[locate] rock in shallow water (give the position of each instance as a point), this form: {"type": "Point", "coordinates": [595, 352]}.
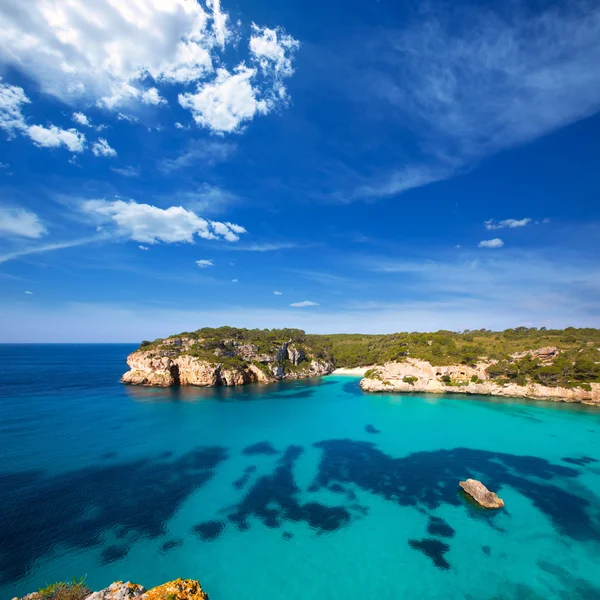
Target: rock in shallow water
{"type": "Point", "coordinates": [481, 494]}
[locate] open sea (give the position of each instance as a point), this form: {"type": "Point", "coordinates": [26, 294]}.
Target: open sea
{"type": "Point", "coordinates": [298, 491]}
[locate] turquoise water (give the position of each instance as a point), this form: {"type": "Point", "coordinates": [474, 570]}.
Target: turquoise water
{"type": "Point", "coordinates": [301, 490]}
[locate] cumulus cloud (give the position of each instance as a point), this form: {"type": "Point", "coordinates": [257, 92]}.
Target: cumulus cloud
{"type": "Point", "coordinates": [141, 247]}
{"type": "Point", "coordinates": [473, 85]}
{"type": "Point", "coordinates": [82, 119]}
{"type": "Point", "coordinates": [152, 96]}
{"type": "Point", "coordinates": [227, 102]}
{"type": "Point", "coordinates": [12, 120]}
{"type": "Point", "coordinates": [102, 148]}
{"type": "Point", "coordinates": [12, 99]}
{"type": "Point", "coordinates": [510, 223]}
{"type": "Point", "coordinates": [272, 50]}
{"type": "Point", "coordinates": [150, 224]}
{"type": "Point", "coordinates": [304, 304]}
{"type": "Point", "coordinates": [53, 137]}
{"type": "Point", "coordinates": [495, 243]}
{"type": "Point", "coordinates": [21, 222]}
{"type": "Point", "coordinates": [117, 54]}
{"type": "Point", "coordinates": [203, 263]}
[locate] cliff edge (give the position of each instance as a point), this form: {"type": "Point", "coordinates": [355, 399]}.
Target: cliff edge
{"type": "Point", "coordinates": [228, 357]}
{"type": "Point", "coordinates": [413, 375]}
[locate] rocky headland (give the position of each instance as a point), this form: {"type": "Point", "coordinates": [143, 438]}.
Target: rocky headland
{"type": "Point", "coordinates": [178, 589]}
{"type": "Point", "coordinates": [414, 375]}
{"type": "Point", "coordinates": [230, 359]}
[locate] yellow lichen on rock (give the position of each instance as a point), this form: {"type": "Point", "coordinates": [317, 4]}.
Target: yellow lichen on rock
{"type": "Point", "coordinates": [179, 589]}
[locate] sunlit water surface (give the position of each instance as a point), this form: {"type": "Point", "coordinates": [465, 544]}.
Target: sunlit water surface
{"type": "Point", "coordinates": [304, 490]}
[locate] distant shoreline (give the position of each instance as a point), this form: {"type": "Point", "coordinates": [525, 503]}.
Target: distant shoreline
{"type": "Point", "coordinates": [358, 371]}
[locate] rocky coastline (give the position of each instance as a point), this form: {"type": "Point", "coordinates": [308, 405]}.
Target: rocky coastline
{"type": "Point", "coordinates": [413, 375]}
{"type": "Point", "coordinates": [174, 362]}
{"type": "Point", "coordinates": [178, 589]}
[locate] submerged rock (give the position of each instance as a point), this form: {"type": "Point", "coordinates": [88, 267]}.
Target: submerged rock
{"type": "Point", "coordinates": [481, 494]}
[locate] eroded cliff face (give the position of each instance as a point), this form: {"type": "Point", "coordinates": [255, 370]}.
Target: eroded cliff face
{"type": "Point", "coordinates": [172, 363]}
{"type": "Point", "coordinates": [414, 375]}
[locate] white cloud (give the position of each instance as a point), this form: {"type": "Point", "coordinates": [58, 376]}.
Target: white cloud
{"type": "Point", "coordinates": [179, 125]}
{"type": "Point", "coordinates": [473, 85]}
{"type": "Point", "coordinates": [277, 293]}
{"type": "Point", "coordinates": [234, 281]}
{"type": "Point", "coordinates": [127, 171]}
{"type": "Point", "coordinates": [118, 54]}
{"type": "Point", "coordinates": [152, 96]}
{"type": "Point", "coordinates": [304, 304]}
{"type": "Point", "coordinates": [82, 119]}
{"type": "Point", "coordinates": [12, 99]}
{"type": "Point", "coordinates": [28, 293]}
{"type": "Point", "coordinates": [12, 120]}
{"type": "Point", "coordinates": [224, 104]}
{"type": "Point", "coordinates": [228, 231]}
{"type": "Point", "coordinates": [53, 137]}
{"type": "Point", "coordinates": [272, 50]}
{"type": "Point", "coordinates": [495, 243]}
{"type": "Point", "coordinates": [129, 118]}
{"type": "Point", "coordinates": [102, 148]}
{"type": "Point", "coordinates": [203, 263]}
{"type": "Point", "coordinates": [149, 224]}
{"type": "Point", "coordinates": [510, 223]}
{"type": "Point", "coordinates": [21, 222]}
{"type": "Point", "coordinates": [143, 247]}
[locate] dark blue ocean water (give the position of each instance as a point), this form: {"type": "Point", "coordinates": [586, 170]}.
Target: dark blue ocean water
{"type": "Point", "coordinates": [303, 490]}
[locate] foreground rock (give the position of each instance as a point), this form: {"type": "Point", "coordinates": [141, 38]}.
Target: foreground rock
{"type": "Point", "coordinates": [412, 375]}
{"type": "Point", "coordinates": [179, 589]}
{"type": "Point", "coordinates": [185, 361]}
{"type": "Point", "coordinates": [481, 494]}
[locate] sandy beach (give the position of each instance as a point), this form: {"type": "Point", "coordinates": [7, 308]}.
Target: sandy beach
{"type": "Point", "coordinates": [357, 371]}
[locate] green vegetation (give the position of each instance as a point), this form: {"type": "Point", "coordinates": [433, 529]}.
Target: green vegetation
{"type": "Point", "coordinates": [66, 590]}
{"type": "Point", "coordinates": [577, 363]}
{"type": "Point", "coordinates": [410, 379]}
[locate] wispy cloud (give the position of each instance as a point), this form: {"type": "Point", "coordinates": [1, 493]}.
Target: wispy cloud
{"type": "Point", "coordinates": [304, 304]}
{"type": "Point", "coordinates": [510, 223]}
{"type": "Point", "coordinates": [126, 171]}
{"type": "Point", "coordinates": [49, 248]}
{"type": "Point", "coordinates": [277, 293]}
{"type": "Point", "coordinates": [21, 222]}
{"type": "Point", "coordinates": [478, 83]}
{"type": "Point", "coordinates": [198, 154]}
{"type": "Point", "coordinates": [265, 247]}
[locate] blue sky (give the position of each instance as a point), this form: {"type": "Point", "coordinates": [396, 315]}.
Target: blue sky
{"type": "Point", "coordinates": [382, 166]}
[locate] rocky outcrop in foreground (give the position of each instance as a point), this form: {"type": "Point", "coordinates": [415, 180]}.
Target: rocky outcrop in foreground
{"type": "Point", "coordinates": [481, 494]}
{"type": "Point", "coordinates": [179, 589]}
{"type": "Point", "coordinates": [414, 375]}
{"type": "Point", "coordinates": [185, 361]}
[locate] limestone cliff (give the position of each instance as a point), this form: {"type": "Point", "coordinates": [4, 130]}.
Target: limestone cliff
{"type": "Point", "coordinates": [413, 375]}
{"type": "Point", "coordinates": [228, 361]}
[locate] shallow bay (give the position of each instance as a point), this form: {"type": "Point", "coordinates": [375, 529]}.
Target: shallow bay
{"type": "Point", "coordinates": [300, 490]}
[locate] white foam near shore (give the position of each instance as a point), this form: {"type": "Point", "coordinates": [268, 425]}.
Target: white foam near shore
{"type": "Point", "coordinates": [358, 371]}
